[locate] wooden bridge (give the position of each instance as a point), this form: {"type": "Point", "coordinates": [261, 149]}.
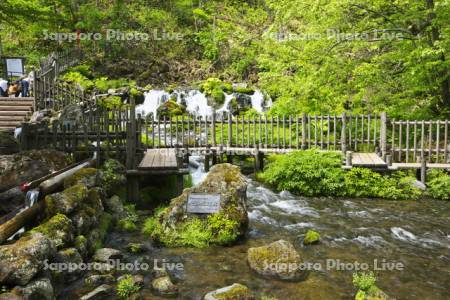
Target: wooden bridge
{"type": "Point", "coordinates": [369, 140]}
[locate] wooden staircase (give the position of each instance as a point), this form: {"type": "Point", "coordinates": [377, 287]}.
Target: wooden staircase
{"type": "Point", "coordinates": [14, 111]}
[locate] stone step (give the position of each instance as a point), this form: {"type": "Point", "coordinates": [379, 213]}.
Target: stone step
{"type": "Point", "coordinates": [16, 103]}
{"type": "Point", "coordinates": [28, 99]}
{"type": "Point", "coordinates": [10, 123]}
{"type": "Point", "coordinates": [14, 113]}
{"type": "Point", "coordinates": [7, 129]}
{"type": "Point", "coordinates": [12, 118]}
{"type": "Point", "coordinates": [15, 108]}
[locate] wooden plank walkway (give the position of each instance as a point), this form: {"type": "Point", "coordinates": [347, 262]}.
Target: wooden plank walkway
{"type": "Point", "coordinates": [368, 160]}
{"type": "Point", "coordinates": [159, 159]}
{"type": "Point", "coordinates": [413, 166]}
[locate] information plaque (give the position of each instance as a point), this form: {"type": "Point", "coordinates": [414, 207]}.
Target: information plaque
{"type": "Point", "coordinates": [203, 203]}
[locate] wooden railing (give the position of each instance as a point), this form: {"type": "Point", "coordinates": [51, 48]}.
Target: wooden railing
{"type": "Point", "coordinates": [405, 141]}
{"type": "Point", "coordinates": [46, 76]}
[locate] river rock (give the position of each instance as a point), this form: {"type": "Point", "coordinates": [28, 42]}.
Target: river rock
{"type": "Point", "coordinates": [69, 256]}
{"type": "Point", "coordinates": [235, 291]}
{"type": "Point", "coordinates": [21, 261]}
{"type": "Point", "coordinates": [114, 206]}
{"type": "Point", "coordinates": [223, 179]}
{"type": "Point", "coordinates": [419, 185]}
{"type": "Point", "coordinates": [58, 230]}
{"type": "Point", "coordinates": [8, 144]}
{"type": "Point", "coordinates": [164, 286]}
{"type": "Point", "coordinates": [11, 199]}
{"type": "Point", "coordinates": [95, 280]}
{"type": "Point", "coordinates": [66, 201]}
{"type": "Point", "coordinates": [277, 260]}
{"type": "Point", "coordinates": [101, 292]}
{"type": "Point", "coordinates": [40, 288]}
{"type": "Point", "coordinates": [28, 166]}
{"type": "Point", "coordinates": [107, 254]}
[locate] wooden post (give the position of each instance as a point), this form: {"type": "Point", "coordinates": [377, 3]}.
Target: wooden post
{"type": "Point", "coordinates": [304, 119]}
{"type": "Point", "coordinates": [259, 159]}
{"type": "Point", "coordinates": [389, 160]}
{"type": "Point", "coordinates": [423, 170]}
{"type": "Point", "coordinates": [230, 129]}
{"type": "Point", "coordinates": [383, 135]}
{"type": "Point", "coordinates": [24, 137]}
{"type": "Point", "coordinates": [207, 158]}
{"type": "Point", "coordinates": [344, 133]}
{"type": "Point", "coordinates": [213, 128]}
{"type": "Point", "coordinates": [348, 158]}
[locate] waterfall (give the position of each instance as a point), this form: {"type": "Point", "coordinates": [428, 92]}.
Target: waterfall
{"type": "Point", "coordinates": [195, 101]}
{"type": "Point", "coordinates": [31, 197]}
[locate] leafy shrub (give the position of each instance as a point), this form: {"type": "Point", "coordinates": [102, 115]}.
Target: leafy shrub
{"type": "Point", "coordinates": [78, 78]}
{"type": "Point", "coordinates": [364, 281]}
{"type": "Point", "coordinates": [439, 184]}
{"type": "Point", "coordinates": [310, 173]}
{"type": "Point", "coordinates": [129, 222]}
{"type": "Point", "coordinates": [311, 237]}
{"type": "Point", "coordinates": [314, 173]}
{"type": "Point", "coordinates": [126, 287]}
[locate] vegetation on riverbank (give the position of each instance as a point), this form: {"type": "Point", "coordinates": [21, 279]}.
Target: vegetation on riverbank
{"type": "Point", "coordinates": [315, 173]}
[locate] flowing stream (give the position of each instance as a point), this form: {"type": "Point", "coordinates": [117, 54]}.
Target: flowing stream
{"type": "Point", "coordinates": [413, 233]}
{"type": "Point", "coordinates": [196, 102]}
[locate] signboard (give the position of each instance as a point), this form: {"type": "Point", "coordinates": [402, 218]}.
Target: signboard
{"type": "Point", "coordinates": [14, 66]}
{"type": "Point", "coordinates": [203, 203]}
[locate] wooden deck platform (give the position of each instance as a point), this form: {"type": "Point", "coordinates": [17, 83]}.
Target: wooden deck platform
{"type": "Point", "coordinates": [159, 159]}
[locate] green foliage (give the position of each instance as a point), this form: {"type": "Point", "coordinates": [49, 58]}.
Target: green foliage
{"type": "Point", "coordinates": [129, 222]}
{"type": "Point", "coordinates": [315, 173]}
{"type": "Point", "coordinates": [79, 79]}
{"type": "Point", "coordinates": [364, 281]}
{"type": "Point", "coordinates": [310, 173]}
{"type": "Point", "coordinates": [219, 228]}
{"type": "Point", "coordinates": [439, 184]}
{"type": "Point", "coordinates": [126, 287]}
{"type": "Point", "coordinates": [311, 237]}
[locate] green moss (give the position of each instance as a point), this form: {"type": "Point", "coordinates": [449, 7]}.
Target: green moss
{"type": "Point", "coordinates": [58, 228]}
{"type": "Point", "coordinates": [80, 242]}
{"type": "Point", "coordinates": [104, 224]}
{"type": "Point", "coordinates": [135, 248]}
{"type": "Point", "coordinates": [312, 237]}
{"type": "Point", "coordinates": [244, 90]}
{"type": "Point", "coordinates": [238, 291]}
{"type": "Point", "coordinates": [221, 228]}
{"type": "Point", "coordinates": [126, 287]}
{"type": "Point", "coordinates": [79, 177]}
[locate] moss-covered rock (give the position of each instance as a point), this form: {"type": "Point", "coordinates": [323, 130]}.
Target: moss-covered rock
{"type": "Point", "coordinates": [40, 288]}
{"type": "Point", "coordinates": [21, 261]}
{"type": "Point", "coordinates": [67, 201]}
{"type": "Point", "coordinates": [72, 258]}
{"type": "Point", "coordinates": [81, 244]}
{"type": "Point", "coordinates": [58, 229]}
{"type": "Point", "coordinates": [170, 109]}
{"type": "Point", "coordinates": [233, 292]}
{"type": "Point", "coordinates": [311, 237]}
{"type": "Point", "coordinates": [277, 260]}
{"type": "Point", "coordinates": [96, 236]}
{"type": "Point", "coordinates": [85, 176]}
{"type": "Point", "coordinates": [174, 226]}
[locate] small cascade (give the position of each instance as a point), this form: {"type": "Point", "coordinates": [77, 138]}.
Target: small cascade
{"type": "Point", "coordinates": [196, 102]}
{"type": "Point", "coordinates": [31, 197]}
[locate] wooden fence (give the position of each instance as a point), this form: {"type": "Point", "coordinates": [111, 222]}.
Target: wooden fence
{"type": "Point", "coordinates": [111, 131]}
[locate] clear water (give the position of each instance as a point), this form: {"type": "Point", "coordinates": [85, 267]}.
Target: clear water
{"type": "Point", "coordinates": [414, 233]}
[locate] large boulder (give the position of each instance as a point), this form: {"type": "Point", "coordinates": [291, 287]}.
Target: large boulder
{"type": "Point", "coordinates": [235, 291]}
{"type": "Point", "coordinates": [8, 144]}
{"type": "Point", "coordinates": [21, 261]}
{"type": "Point", "coordinates": [277, 260]}
{"type": "Point", "coordinates": [69, 257]}
{"type": "Point", "coordinates": [174, 226]}
{"type": "Point", "coordinates": [67, 201]}
{"type": "Point", "coordinates": [28, 166]}
{"type": "Point", "coordinates": [40, 288]}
